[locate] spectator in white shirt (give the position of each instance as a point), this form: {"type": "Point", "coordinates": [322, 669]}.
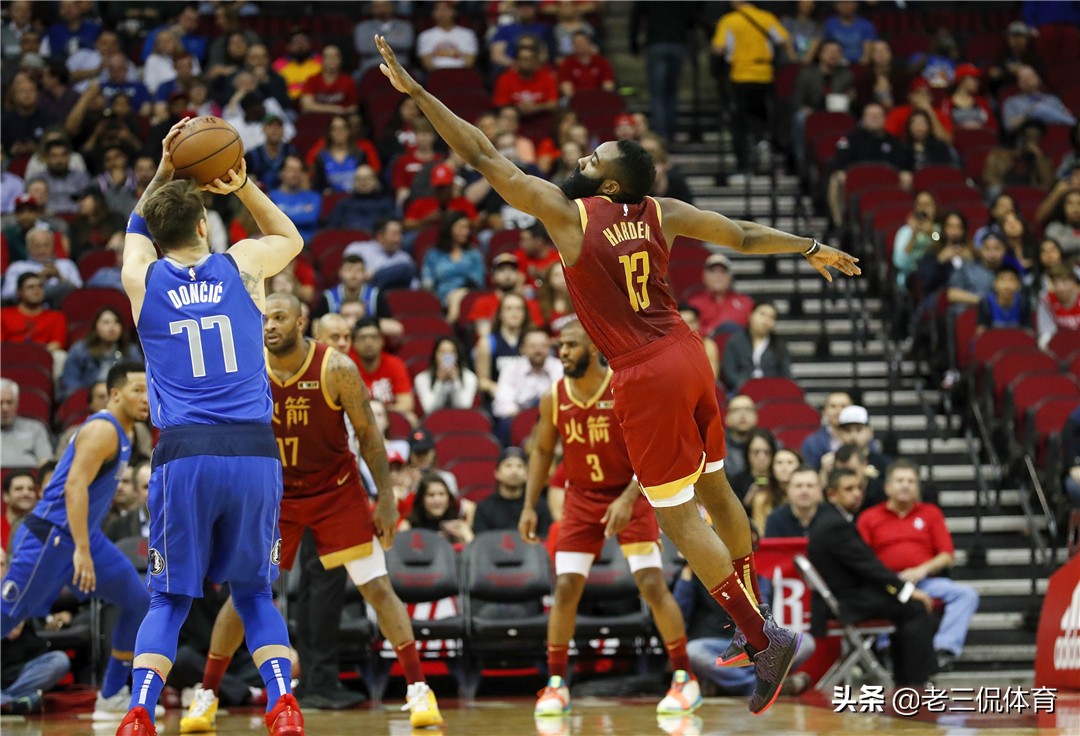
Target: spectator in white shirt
{"type": "Point", "coordinates": [247, 110]}
{"type": "Point", "coordinates": [524, 380]}
{"type": "Point", "coordinates": [446, 45]}
{"type": "Point", "coordinates": [60, 274]}
{"type": "Point", "coordinates": [24, 442]}
{"type": "Point", "coordinates": [447, 383]}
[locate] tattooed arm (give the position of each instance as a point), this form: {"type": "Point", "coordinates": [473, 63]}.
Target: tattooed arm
{"type": "Point", "coordinates": [349, 390]}
{"type": "Point", "coordinates": [266, 257]}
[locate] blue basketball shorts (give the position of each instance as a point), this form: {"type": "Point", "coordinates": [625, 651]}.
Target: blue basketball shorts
{"type": "Point", "coordinates": [40, 566]}
{"type": "Point", "coordinates": [214, 516]}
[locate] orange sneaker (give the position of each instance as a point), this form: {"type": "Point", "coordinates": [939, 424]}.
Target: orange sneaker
{"type": "Point", "coordinates": [285, 719]}
{"type": "Point", "coordinates": [137, 723]}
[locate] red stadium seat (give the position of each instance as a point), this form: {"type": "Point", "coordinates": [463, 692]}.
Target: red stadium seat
{"type": "Point", "coordinates": [975, 162]}
{"type": "Point", "coordinates": [929, 177]}
{"type": "Point", "coordinates": [470, 472]}
{"type": "Point", "coordinates": [310, 127]}
{"type": "Point", "coordinates": [82, 304]}
{"type": "Point", "coordinates": [1048, 419]}
{"type": "Point", "coordinates": [1008, 366]}
{"type": "Point", "coordinates": [786, 412]}
{"type": "Point", "coordinates": [522, 426]}
{"type": "Point", "coordinates": [35, 404]}
{"type": "Point", "coordinates": [425, 324]}
{"type": "Point", "coordinates": [1074, 365]}
{"type": "Point", "coordinates": [457, 420]}
{"type": "Point", "coordinates": [951, 195]}
{"type": "Point", "coordinates": [417, 346]}
{"type": "Point", "coordinates": [328, 202]}
{"type": "Point", "coordinates": [329, 240]}
{"type": "Point", "coordinates": [768, 389]}
{"type": "Point", "coordinates": [984, 48]}
{"type": "Point", "coordinates": [444, 81]}
{"type": "Point", "coordinates": [467, 304]}
{"type": "Point", "coordinates": [30, 377]}
{"type": "Point", "coordinates": [833, 124]}
{"type": "Point", "coordinates": [400, 427]}
{"type": "Point", "coordinates": [94, 261]}
{"type": "Point", "coordinates": [861, 176]}
{"type": "Point", "coordinates": [467, 445]}
{"type": "Point", "coordinates": [425, 241]}
{"type": "Point", "coordinates": [26, 353]}
{"type": "Point", "coordinates": [597, 101]}
{"type": "Point", "coordinates": [793, 437]}
{"type": "Point", "coordinates": [73, 406]}
{"type": "Point", "coordinates": [992, 342]}
{"type": "Point", "coordinates": [468, 104]}
{"type": "Point", "coordinates": [413, 302]}
{"type": "Point", "coordinates": [1063, 344]}
{"type": "Point", "coordinates": [1027, 392]}
{"type": "Point", "coordinates": [967, 139]}
{"type": "Point", "coordinates": [966, 322]}
{"type": "Point", "coordinates": [683, 277]}
{"type": "Point", "coordinates": [689, 250]}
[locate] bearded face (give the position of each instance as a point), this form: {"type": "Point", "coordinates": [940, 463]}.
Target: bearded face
{"type": "Point", "coordinates": [579, 186]}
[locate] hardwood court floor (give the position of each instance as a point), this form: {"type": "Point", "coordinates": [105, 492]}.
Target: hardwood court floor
{"type": "Point", "coordinates": [592, 716]}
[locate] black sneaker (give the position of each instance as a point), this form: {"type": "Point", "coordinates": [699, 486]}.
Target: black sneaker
{"type": "Point", "coordinates": [25, 705]}
{"type": "Point", "coordinates": [771, 665]}
{"type": "Point", "coordinates": [945, 660]}
{"type": "Point", "coordinates": [735, 655]}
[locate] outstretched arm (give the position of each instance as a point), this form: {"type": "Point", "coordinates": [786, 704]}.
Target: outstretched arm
{"type": "Point", "coordinates": [349, 389]}
{"type": "Point", "coordinates": [685, 219]}
{"type": "Point", "coordinates": [530, 194]}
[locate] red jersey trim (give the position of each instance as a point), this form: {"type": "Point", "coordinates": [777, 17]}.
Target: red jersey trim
{"type": "Point", "coordinates": [296, 376]}
{"type": "Point", "coordinates": [594, 398]}
{"type": "Point", "coordinates": [323, 384]}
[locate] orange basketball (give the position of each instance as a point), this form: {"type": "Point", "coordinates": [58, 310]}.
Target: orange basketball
{"type": "Point", "coordinates": [206, 149]}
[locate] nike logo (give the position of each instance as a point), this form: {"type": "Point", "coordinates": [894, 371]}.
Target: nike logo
{"type": "Point", "coordinates": [565, 407]}
{"type": "Point", "coordinates": [343, 479]}
{"type": "Point", "coordinates": [124, 448]}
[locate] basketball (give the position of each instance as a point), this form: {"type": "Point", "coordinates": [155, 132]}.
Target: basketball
{"type": "Point", "coordinates": [206, 149]}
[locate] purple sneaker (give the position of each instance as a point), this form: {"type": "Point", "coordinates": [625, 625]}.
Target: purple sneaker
{"type": "Point", "coordinates": [735, 655]}
{"type": "Point", "coordinates": [771, 665]}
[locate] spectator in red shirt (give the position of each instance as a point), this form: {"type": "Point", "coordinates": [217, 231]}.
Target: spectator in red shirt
{"type": "Point", "coordinates": [30, 321]}
{"type": "Point", "coordinates": [385, 375]}
{"type": "Point", "coordinates": [1060, 308]}
{"type": "Point", "coordinates": [535, 254]}
{"type": "Point", "coordinates": [585, 70]}
{"type": "Point", "coordinates": [965, 108]}
{"type": "Point", "coordinates": [330, 91]}
{"type": "Point", "coordinates": [720, 305]}
{"type": "Point", "coordinates": [910, 537]}
{"type": "Point", "coordinates": [409, 164]}
{"type": "Point", "coordinates": [527, 85]}
{"type": "Point", "coordinates": [507, 278]}
{"type": "Point", "coordinates": [425, 211]}
{"type": "Point", "coordinates": [919, 98]}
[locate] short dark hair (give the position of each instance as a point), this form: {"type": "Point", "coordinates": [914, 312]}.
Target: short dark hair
{"type": "Point", "coordinates": [365, 322]}
{"type": "Point", "coordinates": [690, 308]}
{"type": "Point", "coordinates": [57, 142]}
{"type": "Point", "coordinates": [901, 464]}
{"type": "Point", "coordinates": [172, 213]}
{"type": "Point", "coordinates": [384, 222]}
{"type": "Point", "coordinates": [118, 374]}
{"type": "Point", "coordinates": [24, 277]}
{"type": "Point", "coordinates": [354, 258]}
{"type": "Point", "coordinates": [836, 477]}
{"type": "Point", "coordinates": [635, 172]}
{"type": "Point", "coordinates": [1008, 268]}
{"type": "Point", "coordinates": [846, 452]}
{"type": "Point", "coordinates": [10, 480]}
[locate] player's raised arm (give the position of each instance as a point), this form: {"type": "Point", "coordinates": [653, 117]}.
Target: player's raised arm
{"type": "Point", "coordinates": [261, 258]}
{"type": "Point", "coordinates": [545, 437]}
{"type": "Point", "coordinates": [139, 250]}
{"type": "Point", "coordinates": [530, 194]}
{"type": "Point", "coordinates": [684, 219]}
{"type": "Point", "coordinates": [347, 385]}
{"type": "Point", "coordinates": [95, 443]}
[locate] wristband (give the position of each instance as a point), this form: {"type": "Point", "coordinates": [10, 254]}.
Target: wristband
{"type": "Point", "coordinates": [812, 249]}
{"type": "Point", "coordinates": [246, 178]}
{"type": "Point", "coordinates": [137, 225]}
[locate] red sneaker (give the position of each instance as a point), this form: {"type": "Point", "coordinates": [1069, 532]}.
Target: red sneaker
{"type": "Point", "coordinates": [137, 723]}
{"type": "Point", "coordinates": [285, 719]}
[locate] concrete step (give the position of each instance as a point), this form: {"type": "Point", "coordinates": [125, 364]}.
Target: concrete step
{"type": "Point", "coordinates": [984, 677]}
{"type": "Point", "coordinates": [999, 653]}
{"type": "Point", "coordinates": [1007, 587]}
{"type": "Point", "coordinates": [866, 367]}
{"type": "Point", "coordinates": [1017, 524]}
{"type": "Point", "coordinates": [1006, 557]}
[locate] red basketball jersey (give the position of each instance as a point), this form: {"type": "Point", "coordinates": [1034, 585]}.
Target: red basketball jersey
{"type": "Point", "coordinates": [594, 451]}
{"type": "Point", "coordinates": [310, 430]}
{"type": "Point", "coordinates": [619, 284]}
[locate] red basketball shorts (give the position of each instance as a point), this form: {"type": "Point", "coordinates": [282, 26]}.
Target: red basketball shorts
{"type": "Point", "coordinates": [665, 401]}
{"type": "Point", "coordinates": [340, 519]}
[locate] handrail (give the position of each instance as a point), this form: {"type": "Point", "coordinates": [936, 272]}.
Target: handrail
{"type": "Point", "coordinates": [1048, 514]}
{"type": "Point", "coordinates": [931, 431]}
{"type": "Point", "coordinates": [977, 554]}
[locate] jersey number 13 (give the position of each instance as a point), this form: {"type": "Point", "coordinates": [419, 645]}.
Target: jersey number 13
{"type": "Point", "coordinates": [636, 268]}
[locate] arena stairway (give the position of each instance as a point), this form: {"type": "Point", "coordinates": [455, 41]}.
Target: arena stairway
{"type": "Point", "coordinates": [831, 351]}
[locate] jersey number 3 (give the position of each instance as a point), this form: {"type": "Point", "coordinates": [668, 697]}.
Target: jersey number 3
{"type": "Point", "coordinates": [636, 268]}
{"type": "Point", "coordinates": [194, 329]}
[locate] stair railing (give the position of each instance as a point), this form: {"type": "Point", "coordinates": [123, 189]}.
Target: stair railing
{"type": "Point", "coordinates": [1030, 483]}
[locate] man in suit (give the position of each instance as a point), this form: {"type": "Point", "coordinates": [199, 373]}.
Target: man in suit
{"type": "Point", "coordinates": [864, 587]}
{"type": "Point", "coordinates": [135, 522]}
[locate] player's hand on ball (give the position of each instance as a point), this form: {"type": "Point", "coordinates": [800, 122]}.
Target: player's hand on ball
{"type": "Point", "coordinates": [617, 517]}
{"type": "Point", "coordinates": [385, 518]}
{"type": "Point", "coordinates": [527, 526]}
{"type": "Point", "coordinates": [165, 168]}
{"type": "Point", "coordinates": [828, 257]}
{"type": "Point", "coordinates": [236, 180]}
{"type": "Point", "coordinates": [84, 578]}
{"type": "Point", "coordinates": [392, 68]}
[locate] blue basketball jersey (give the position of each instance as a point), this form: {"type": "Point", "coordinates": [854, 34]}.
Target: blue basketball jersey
{"type": "Point", "coordinates": [203, 340]}
{"type": "Point", "coordinates": [52, 506]}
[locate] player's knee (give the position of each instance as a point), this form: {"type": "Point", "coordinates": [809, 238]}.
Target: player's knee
{"type": "Point", "coordinates": [378, 592]}
{"type": "Point", "coordinates": [650, 582]}
{"type": "Point", "coordinates": [569, 587]}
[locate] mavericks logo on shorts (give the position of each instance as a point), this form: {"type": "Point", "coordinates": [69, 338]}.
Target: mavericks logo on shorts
{"type": "Point", "coordinates": [10, 591]}
{"type": "Point", "coordinates": [156, 562]}
{"type": "Point", "coordinates": [275, 553]}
